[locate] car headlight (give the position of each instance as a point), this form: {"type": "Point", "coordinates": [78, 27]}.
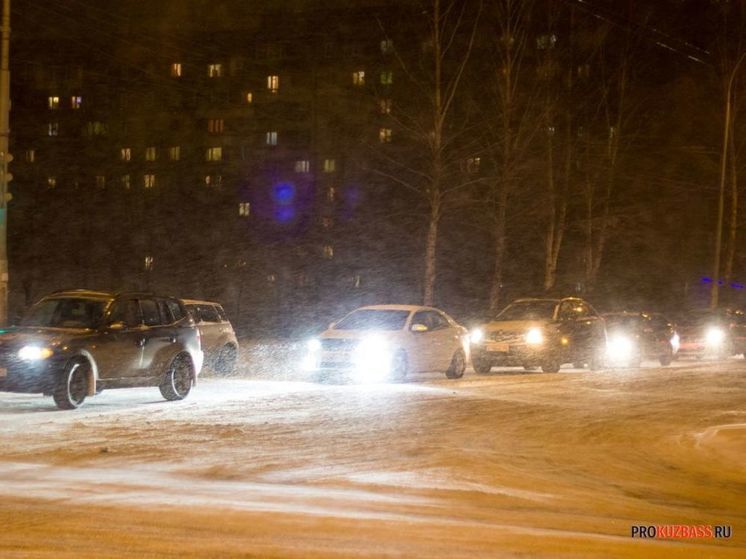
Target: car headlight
{"type": "Point", "coordinates": [534, 336]}
{"type": "Point", "coordinates": [476, 335]}
{"type": "Point", "coordinates": [372, 357]}
{"type": "Point", "coordinates": [714, 336]}
{"type": "Point", "coordinates": [311, 360]}
{"type": "Point", "coordinates": [34, 353]}
{"type": "Point", "coordinates": [313, 345]}
{"type": "Point", "coordinates": [620, 348]}
{"type": "Point", "coordinates": [675, 342]}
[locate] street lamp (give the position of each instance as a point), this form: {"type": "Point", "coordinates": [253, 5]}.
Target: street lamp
{"type": "Point", "coordinates": [715, 287]}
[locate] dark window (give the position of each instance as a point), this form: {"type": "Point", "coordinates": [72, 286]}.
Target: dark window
{"type": "Point", "coordinates": [150, 314]}
{"type": "Point", "coordinates": [176, 311]}
{"type": "Point", "coordinates": [166, 317]}
{"type": "Point", "coordinates": [221, 313]}
{"type": "Point", "coordinates": [208, 313]}
{"type": "Point", "coordinates": [126, 311]}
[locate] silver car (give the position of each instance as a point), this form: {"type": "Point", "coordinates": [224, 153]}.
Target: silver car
{"type": "Point", "coordinates": [73, 344]}
{"type": "Point", "coordinates": [218, 338]}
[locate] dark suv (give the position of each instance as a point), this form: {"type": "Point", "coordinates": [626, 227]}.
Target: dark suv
{"type": "Point", "coordinates": [73, 344]}
{"type": "Point", "coordinates": [542, 333]}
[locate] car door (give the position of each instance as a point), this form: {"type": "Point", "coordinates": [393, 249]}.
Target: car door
{"type": "Point", "coordinates": [159, 337]}
{"type": "Point", "coordinates": [118, 349]}
{"type": "Point", "coordinates": [446, 340]}
{"type": "Point", "coordinates": [420, 342]}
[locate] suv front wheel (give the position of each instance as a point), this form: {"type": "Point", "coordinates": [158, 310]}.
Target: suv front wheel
{"type": "Point", "coordinates": [177, 382]}
{"type": "Point", "coordinates": [72, 386]}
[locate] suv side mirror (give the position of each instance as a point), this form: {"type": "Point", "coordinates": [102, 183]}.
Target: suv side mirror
{"type": "Point", "coordinates": [116, 326]}
{"type": "Point", "coordinates": [419, 328]}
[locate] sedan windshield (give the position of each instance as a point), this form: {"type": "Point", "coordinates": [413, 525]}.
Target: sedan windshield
{"type": "Point", "coordinates": [528, 310]}
{"type": "Point", "coordinates": [66, 313]}
{"type": "Point", "coordinates": [371, 319]}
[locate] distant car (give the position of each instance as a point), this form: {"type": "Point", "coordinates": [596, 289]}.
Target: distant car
{"type": "Point", "coordinates": [634, 336]}
{"type": "Point", "coordinates": [544, 333]}
{"type": "Point", "coordinates": [385, 342]}
{"type": "Point", "coordinates": [73, 344]}
{"type": "Point", "coordinates": [712, 334]}
{"type": "Point", "coordinates": [218, 338]}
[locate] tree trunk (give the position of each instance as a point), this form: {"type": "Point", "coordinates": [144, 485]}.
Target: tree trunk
{"type": "Point", "coordinates": [733, 225]}
{"type": "Point", "coordinates": [500, 247]}
{"type": "Point", "coordinates": [428, 297]}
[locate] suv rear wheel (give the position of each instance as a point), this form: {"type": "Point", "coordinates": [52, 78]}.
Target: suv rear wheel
{"type": "Point", "coordinates": [177, 382]}
{"type": "Point", "coordinates": [72, 386]}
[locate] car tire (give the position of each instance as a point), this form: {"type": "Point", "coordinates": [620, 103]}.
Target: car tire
{"type": "Point", "coordinates": [178, 380]}
{"type": "Point", "coordinates": [552, 366]}
{"type": "Point", "coordinates": [225, 364]}
{"type": "Point", "coordinates": [72, 385]}
{"type": "Point", "coordinates": [400, 366]}
{"type": "Point", "coordinates": [481, 366]}
{"type": "Point", "coordinates": [458, 365]}
{"type": "Point", "coordinates": [666, 359]}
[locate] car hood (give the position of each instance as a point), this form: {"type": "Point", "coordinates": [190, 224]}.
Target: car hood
{"type": "Point", "coordinates": [514, 325]}
{"type": "Point", "coordinates": [16, 338]}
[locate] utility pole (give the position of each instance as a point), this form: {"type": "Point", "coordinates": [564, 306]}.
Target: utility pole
{"type": "Point", "coordinates": [715, 286]}
{"type": "Point", "coordinates": [5, 158]}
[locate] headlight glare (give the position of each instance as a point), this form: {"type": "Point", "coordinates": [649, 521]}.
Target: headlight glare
{"type": "Point", "coordinates": [34, 353]}
{"type": "Point", "coordinates": [714, 336]}
{"type": "Point", "coordinates": [372, 358]}
{"type": "Point", "coordinates": [534, 336]}
{"type": "Point", "coordinates": [313, 345]}
{"type": "Point", "coordinates": [620, 348]}
{"type": "Point", "coordinates": [476, 335]}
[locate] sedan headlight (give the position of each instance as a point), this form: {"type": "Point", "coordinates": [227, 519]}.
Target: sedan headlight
{"type": "Point", "coordinates": [34, 353]}
{"type": "Point", "coordinates": [476, 336]}
{"type": "Point", "coordinates": [675, 342]}
{"type": "Point", "coordinates": [714, 336]}
{"type": "Point", "coordinates": [313, 352]}
{"type": "Point", "coordinates": [372, 357]}
{"type": "Point", "coordinates": [620, 348]}
{"type": "Point", "coordinates": [534, 336]}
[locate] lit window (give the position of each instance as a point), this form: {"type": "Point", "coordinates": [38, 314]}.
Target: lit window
{"type": "Point", "coordinates": [384, 106]}
{"type": "Point", "coordinates": [328, 252]}
{"type": "Point", "coordinates": [53, 129]}
{"type": "Point", "coordinates": [215, 70]}
{"type": "Point", "coordinates": [215, 125]}
{"type": "Point", "coordinates": [125, 154]}
{"type": "Point", "coordinates": [584, 71]}
{"type": "Point", "coordinates": [148, 263]}
{"type": "Point", "coordinates": [550, 131]}
{"type": "Point", "coordinates": [384, 135]}
{"type": "Point", "coordinates": [327, 222]}
{"type": "Point", "coordinates": [272, 138]}
{"type": "Point", "coordinates": [76, 101]}
{"type": "Point", "coordinates": [51, 182]}
{"type": "Point", "coordinates": [174, 153]}
{"type": "Point", "coordinates": [330, 165]}
{"type": "Point", "coordinates": [273, 83]}
{"type": "Point", "coordinates": [249, 97]}
{"type": "Point", "coordinates": [125, 180]}
{"type": "Point", "coordinates": [472, 164]}
{"type": "Point", "coordinates": [150, 154]}
{"type": "Point", "coordinates": [302, 166]}
{"type": "Point", "coordinates": [53, 102]}
{"type": "Point", "coordinates": [358, 78]}
{"type": "Point", "coordinates": [100, 181]}
{"type": "Point", "coordinates": [176, 70]}
{"type": "Point", "coordinates": [149, 181]}
{"type": "Point", "coordinates": [95, 128]}
{"type": "Point", "coordinates": [271, 278]}
{"type": "Point", "coordinates": [244, 209]}
{"type": "Point", "coordinates": [214, 154]}
{"type": "Point", "coordinates": [387, 46]}
{"type": "Point", "coordinates": [331, 194]}
{"type": "Point", "coordinates": [544, 42]}
{"type": "Point", "coordinates": [387, 77]}
{"type": "Point", "coordinates": [213, 180]}
{"type": "Point", "coordinates": [30, 155]}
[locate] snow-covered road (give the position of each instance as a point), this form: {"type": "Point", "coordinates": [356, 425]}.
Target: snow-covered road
{"type": "Point", "coordinates": [501, 465]}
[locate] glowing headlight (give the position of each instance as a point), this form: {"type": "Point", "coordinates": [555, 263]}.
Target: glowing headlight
{"type": "Point", "coordinates": [476, 335]}
{"type": "Point", "coordinates": [372, 357]}
{"type": "Point", "coordinates": [620, 348]}
{"type": "Point", "coordinates": [34, 353]}
{"type": "Point", "coordinates": [313, 353]}
{"type": "Point", "coordinates": [714, 336]}
{"type": "Point", "coordinates": [675, 342]}
{"type": "Point", "coordinates": [534, 336]}
{"type": "Point", "coordinates": [313, 345]}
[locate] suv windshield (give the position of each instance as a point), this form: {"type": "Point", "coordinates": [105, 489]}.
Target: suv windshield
{"type": "Point", "coordinates": [528, 310]}
{"type": "Point", "coordinates": [370, 319]}
{"type": "Point", "coordinates": [66, 313]}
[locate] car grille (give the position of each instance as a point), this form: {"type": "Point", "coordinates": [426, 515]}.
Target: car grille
{"type": "Point", "coordinates": [504, 336]}
{"type": "Point", "coordinates": [338, 344]}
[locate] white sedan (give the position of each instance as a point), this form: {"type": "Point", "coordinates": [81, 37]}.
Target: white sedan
{"type": "Point", "coordinates": [385, 342]}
